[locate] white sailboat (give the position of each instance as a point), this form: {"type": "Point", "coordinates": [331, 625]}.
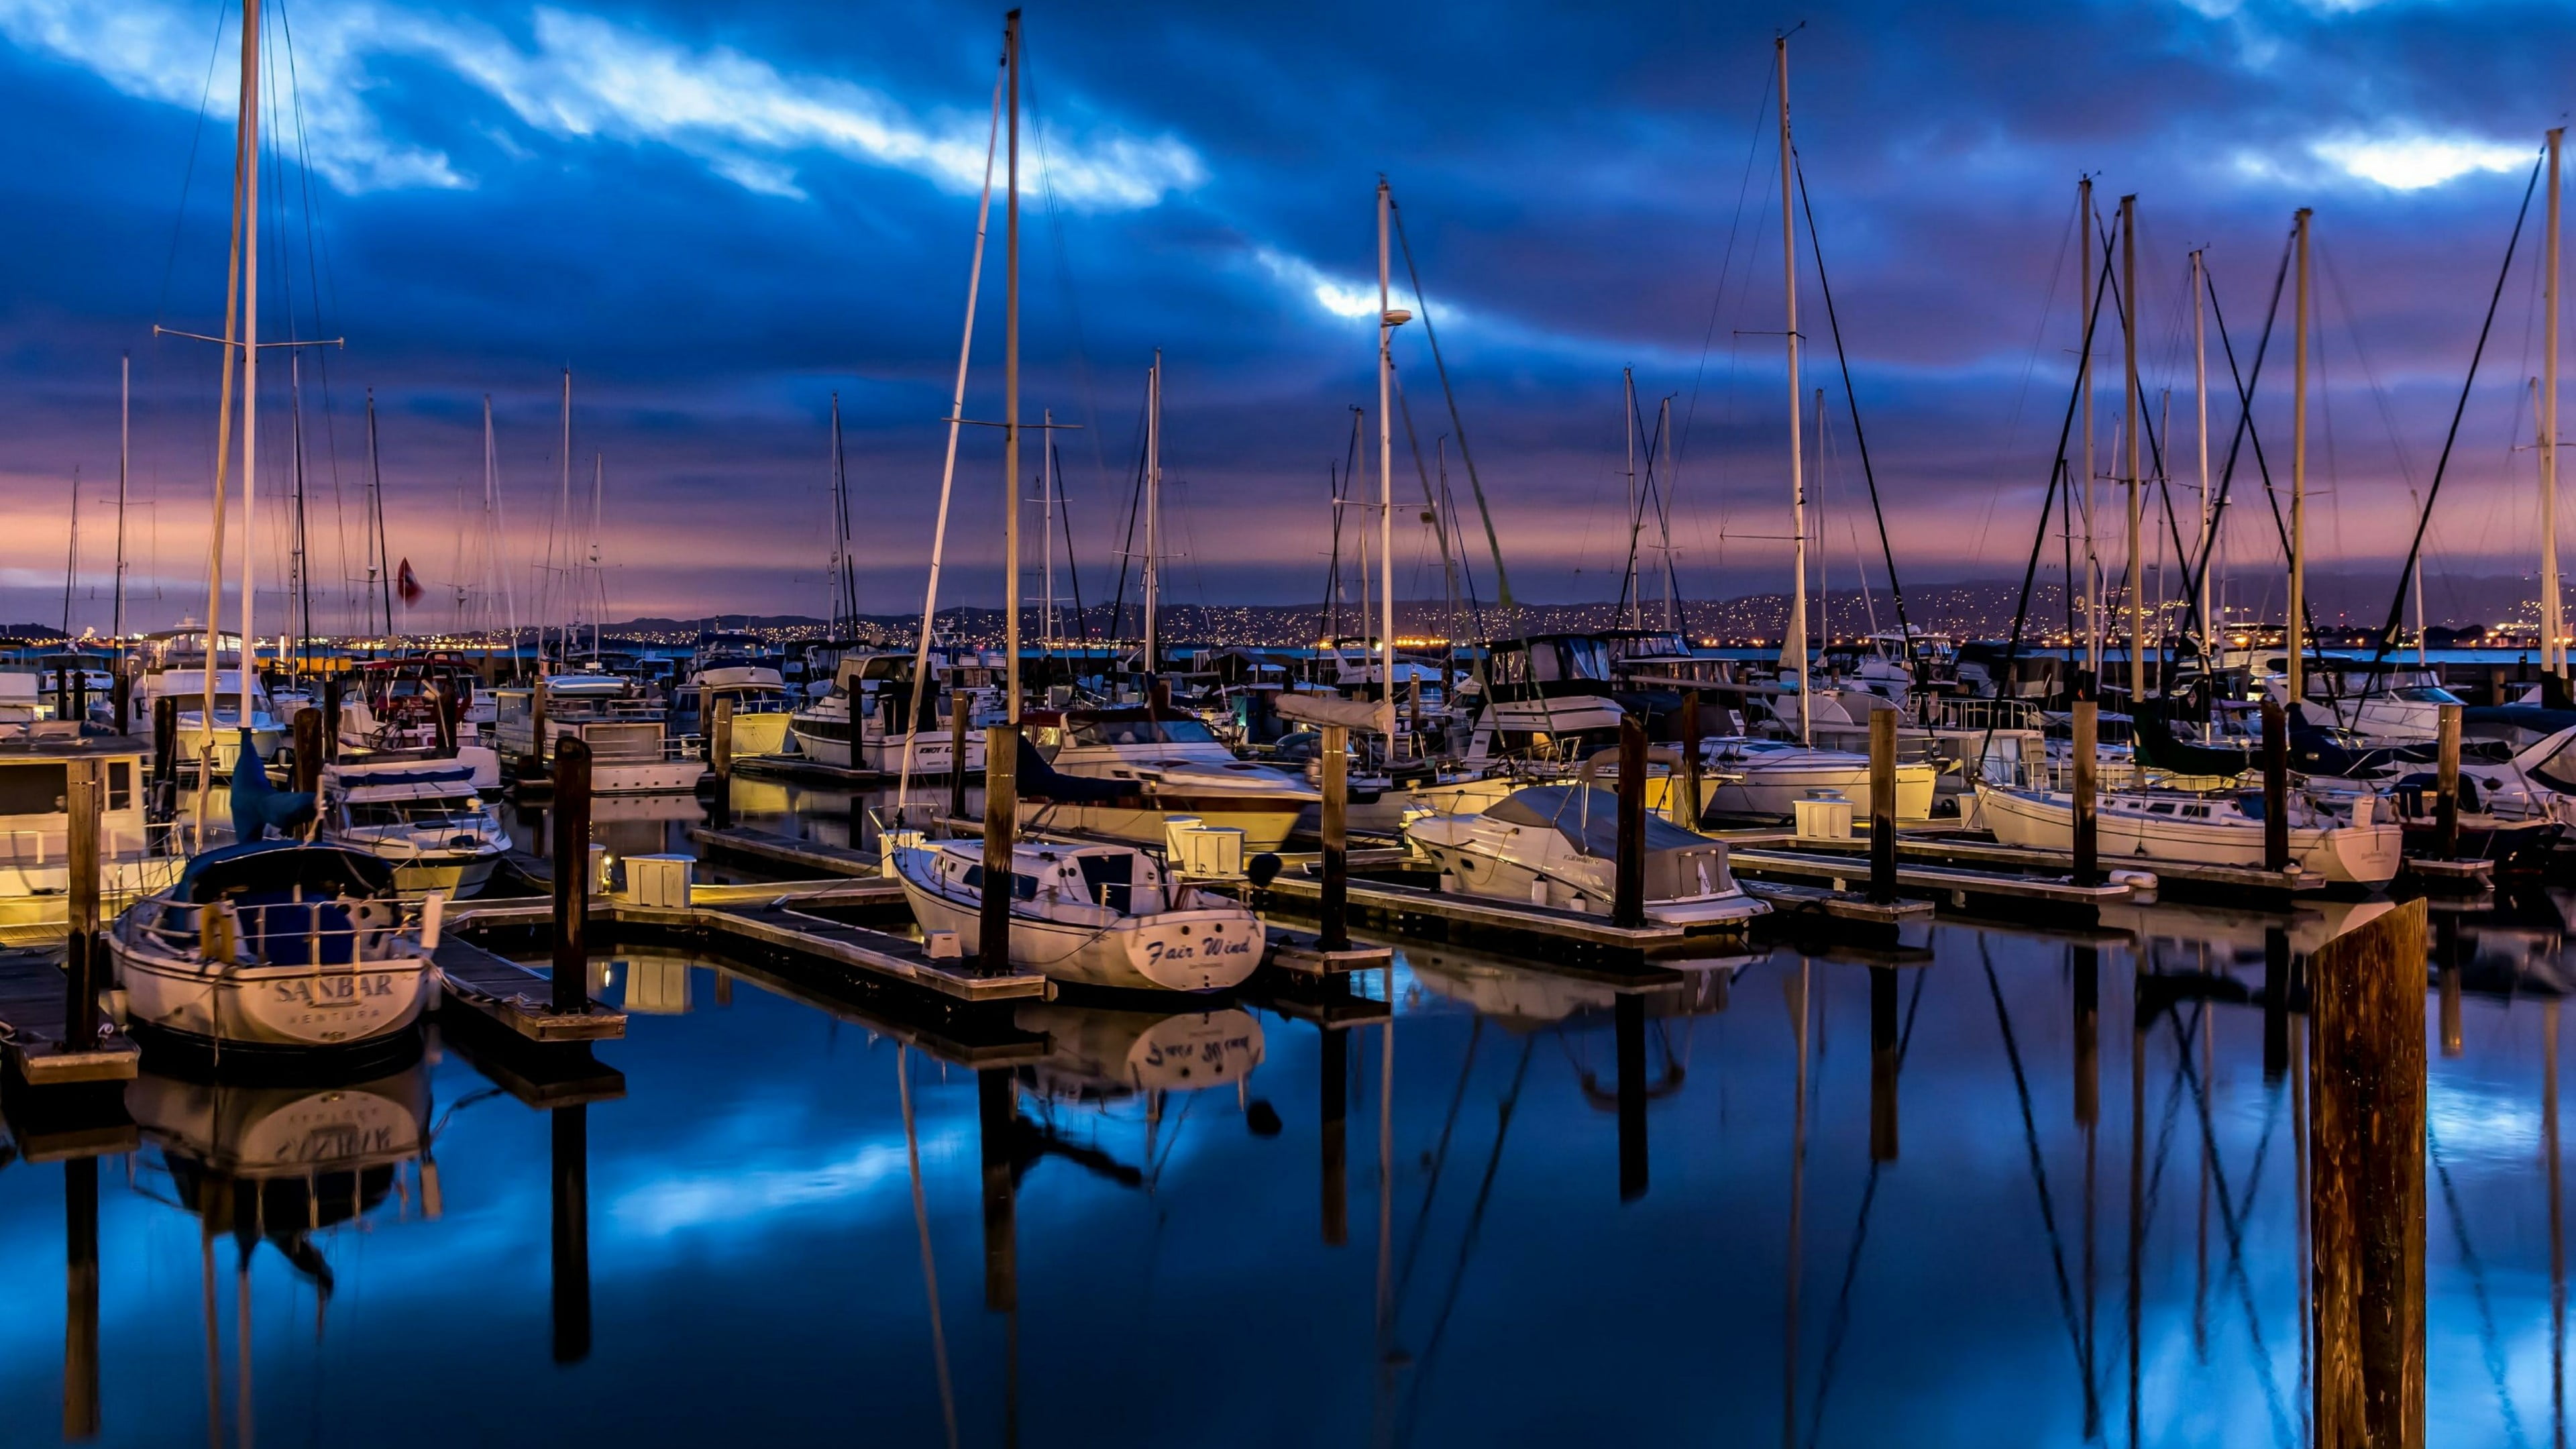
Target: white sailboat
{"type": "Point", "coordinates": [1098, 915]}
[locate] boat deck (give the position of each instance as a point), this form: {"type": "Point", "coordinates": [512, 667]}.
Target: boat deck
{"type": "Point", "coordinates": [518, 997]}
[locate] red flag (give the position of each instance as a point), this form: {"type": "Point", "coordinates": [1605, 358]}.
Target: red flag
{"type": "Point", "coordinates": [407, 585]}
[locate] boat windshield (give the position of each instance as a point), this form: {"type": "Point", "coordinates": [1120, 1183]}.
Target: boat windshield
{"type": "Point", "coordinates": [1587, 818]}
{"type": "Point", "coordinates": [2423, 694]}
{"type": "Point", "coordinates": [1141, 732]}
{"type": "Point", "coordinates": [457, 814]}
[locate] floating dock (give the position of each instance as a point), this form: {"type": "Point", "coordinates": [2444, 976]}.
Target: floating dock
{"type": "Point", "coordinates": [518, 997]}
{"type": "Point", "coordinates": [773, 849]}
{"type": "Point", "coordinates": [1408, 909]}
{"type": "Point", "coordinates": [1956, 884]}
{"type": "Point", "coordinates": [35, 1013]}
{"type": "Point", "coordinates": [1941, 846]}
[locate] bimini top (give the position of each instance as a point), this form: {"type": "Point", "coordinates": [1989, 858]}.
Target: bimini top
{"type": "Point", "coordinates": [284, 866]}
{"type": "Point", "coordinates": [1590, 825]}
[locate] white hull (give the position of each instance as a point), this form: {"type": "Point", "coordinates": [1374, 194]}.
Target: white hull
{"type": "Point", "coordinates": [1385, 814]}
{"type": "Point", "coordinates": [933, 753]}
{"type": "Point", "coordinates": [456, 878]}
{"type": "Point", "coordinates": [2344, 854]}
{"type": "Point", "coordinates": [1772, 788]}
{"type": "Point", "coordinates": [1205, 950]}
{"type": "Point", "coordinates": [274, 1006]}
{"type": "Point", "coordinates": [1266, 825]}
{"type": "Point", "coordinates": [645, 777]}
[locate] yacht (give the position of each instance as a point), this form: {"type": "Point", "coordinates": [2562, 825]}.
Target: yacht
{"type": "Point", "coordinates": [857, 725]}
{"type": "Point", "coordinates": [631, 751]}
{"type": "Point", "coordinates": [35, 825]}
{"type": "Point", "coordinates": [423, 817]}
{"type": "Point", "coordinates": [1763, 778]}
{"type": "Point", "coordinates": [1547, 694]}
{"type": "Point", "coordinates": [1558, 846]}
{"type": "Point", "coordinates": [175, 669]}
{"type": "Point", "coordinates": [2339, 836]}
{"type": "Point", "coordinates": [1096, 915]}
{"type": "Point", "coordinates": [276, 945]}
{"type": "Point", "coordinates": [1122, 772]}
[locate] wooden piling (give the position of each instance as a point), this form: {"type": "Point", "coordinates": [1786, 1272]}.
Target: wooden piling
{"type": "Point", "coordinates": [1628, 901]}
{"type": "Point", "coordinates": [80, 1309]}
{"type": "Point", "coordinates": [1334, 904]}
{"type": "Point", "coordinates": [2088, 715]}
{"type": "Point", "coordinates": [308, 750]}
{"type": "Point", "coordinates": [571, 1224]}
{"type": "Point", "coordinates": [2446, 801]}
{"type": "Point", "coordinates": [720, 758]}
{"type": "Point", "coordinates": [571, 821]}
{"type": "Point", "coordinates": [1690, 785]}
{"type": "Point", "coordinates": [2276, 787]}
{"type": "Point", "coordinates": [1001, 828]}
{"type": "Point", "coordinates": [443, 707]}
{"type": "Point", "coordinates": [165, 755]}
{"type": "Point", "coordinates": [1883, 1061]}
{"type": "Point", "coordinates": [1628, 1026]}
{"type": "Point", "coordinates": [81, 790]}
{"type": "Point", "coordinates": [2366, 1182]}
{"type": "Point", "coordinates": [957, 708]}
{"type": "Point", "coordinates": [1882, 806]}
{"type": "Point", "coordinates": [331, 718]}
{"type": "Point", "coordinates": [120, 697]}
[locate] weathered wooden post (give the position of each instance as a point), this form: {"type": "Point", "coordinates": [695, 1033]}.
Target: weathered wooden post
{"type": "Point", "coordinates": [571, 1219]}
{"type": "Point", "coordinates": [720, 758]}
{"type": "Point", "coordinates": [81, 953]}
{"type": "Point", "coordinates": [165, 754]}
{"type": "Point", "coordinates": [1335, 903]}
{"type": "Point", "coordinates": [2276, 787]}
{"type": "Point", "coordinates": [538, 748]}
{"type": "Point", "coordinates": [442, 703]}
{"type": "Point", "coordinates": [1628, 900]}
{"type": "Point", "coordinates": [957, 709]}
{"type": "Point", "coordinates": [706, 724]}
{"type": "Point", "coordinates": [2446, 802]}
{"type": "Point", "coordinates": [1001, 829]}
{"type": "Point", "coordinates": [63, 692]}
{"type": "Point", "coordinates": [80, 696]}
{"type": "Point", "coordinates": [308, 749]}
{"type": "Point", "coordinates": [1690, 762]}
{"type": "Point", "coordinates": [1882, 806]}
{"type": "Point", "coordinates": [571, 812]}
{"type": "Point", "coordinates": [1883, 1062]}
{"type": "Point", "coordinates": [997, 1121]}
{"type": "Point", "coordinates": [80, 1309]}
{"type": "Point", "coordinates": [1334, 1071]}
{"type": "Point", "coordinates": [1628, 1024]}
{"type": "Point", "coordinates": [2088, 718]}
{"type": "Point", "coordinates": [120, 696]}
{"type": "Point", "coordinates": [2366, 1181]}
{"type": "Point", "coordinates": [331, 718]}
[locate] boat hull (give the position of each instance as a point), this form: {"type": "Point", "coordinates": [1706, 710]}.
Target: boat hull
{"type": "Point", "coordinates": [2367, 855]}
{"type": "Point", "coordinates": [1203, 950]}
{"type": "Point", "coordinates": [1266, 823]}
{"type": "Point", "coordinates": [273, 1006]}
{"type": "Point", "coordinates": [1772, 791]}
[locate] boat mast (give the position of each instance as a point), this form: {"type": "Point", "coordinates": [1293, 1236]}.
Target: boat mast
{"type": "Point", "coordinates": [124, 447]}
{"type": "Point", "coordinates": [1636, 519]}
{"type": "Point", "coordinates": [2137, 516]}
{"type": "Point", "coordinates": [563, 530]}
{"type": "Point", "coordinates": [296, 556]}
{"type": "Point", "coordinates": [1389, 317]}
{"type": "Point", "coordinates": [250, 377]}
{"type": "Point", "coordinates": [598, 578]}
{"type": "Point", "coordinates": [1153, 504]}
{"type": "Point", "coordinates": [1046, 501]}
{"type": "Point", "coordinates": [1794, 654]}
{"type": "Point", "coordinates": [245, 141]}
{"type": "Point", "coordinates": [2553, 648]}
{"type": "Point", "coordinates": [1011, 388]}
{"type": "Point", "coordinates": [2416, 505]}
{"type": "Point", "coordinates": [2200, 397]}
{"type": "Point", "coordinates": [2295, 632]}
{"type": "Point", "coordinates": [71, 558]}
{"type": "Point", "coordinates": [379, 568]}
{"type": "Point", "coordinates": [1664, 507]}
{"type": "Point", "coordinates": [2084, 365]}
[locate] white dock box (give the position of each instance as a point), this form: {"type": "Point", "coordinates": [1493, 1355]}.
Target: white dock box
{"type": "Point", "coordinates": [1823, 815]}
{"type": "Point", "coordinates": [659, 880]}
{"type": "Point", "coordinates": [1203, 851]}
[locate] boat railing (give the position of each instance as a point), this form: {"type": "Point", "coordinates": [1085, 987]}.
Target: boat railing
{"type": "Point", "coordinates": [1953, 712]}
{"type": "Point", "coordinates": [278, 933]}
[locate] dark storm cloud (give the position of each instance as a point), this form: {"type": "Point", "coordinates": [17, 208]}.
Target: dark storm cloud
{"type": "Point", "coordinates": [721, 220]}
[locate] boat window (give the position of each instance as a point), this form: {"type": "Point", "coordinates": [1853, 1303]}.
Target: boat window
{"type": "Point", "coordinates": [33, 789]}
{"type": "Point", "coordinates": [1109, 880]}
{"type": "Point", "coordinates": [418, 814]}
{"type": "Point", "coordinates": [2424, 694]}
{"type": "Point", "coordinates": [1587, 659]}
{"type": "Point", "coordinates": [1142, 732]}
{"type": "Point", "coordinates": [120, 784]}
{"type": "Point", "coordinates": [2161, 807]}
{"type": "Point", "coordinates": [1025, 887]}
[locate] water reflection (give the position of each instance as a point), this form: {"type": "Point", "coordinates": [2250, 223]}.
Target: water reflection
{"type": "Point", "coordinates": [2028, 1187]}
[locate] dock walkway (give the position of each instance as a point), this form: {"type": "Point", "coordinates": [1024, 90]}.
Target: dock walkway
{"type": "Point", "coordinates": [35, 1012]}
{"type": "Point", "coordinates": [518, 997]}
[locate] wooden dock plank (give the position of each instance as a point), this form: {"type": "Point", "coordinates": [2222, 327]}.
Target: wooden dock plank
{"type": "Point", "coordinates": [777, 849]}
{"type": "Point", "coordinates": [1787, 898]}
{"type": "Point", "coordinates": [1530, 920]}
{"type": "Point", "coordinates": [1939, 848]}
{"type": "Point", "coordinates": [785, 928]}
{"type": "Point", "coordinates": [1938, 880]}
{"type": "Point", "coordinates": [34, 1014]}
{"type": "Point", "coordinates": [518, 997]}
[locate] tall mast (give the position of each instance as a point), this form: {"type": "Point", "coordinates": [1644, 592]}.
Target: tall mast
{"type": "Point", "coordinates": [2299, 474]}
{"type": "Point", "coordinates": [2137, 517]}
{"type": "Point", "coordinates": [71, 557]}
{"type": "Point", "coordinates": [1664, 507]}
{"type": "Point", "coordinates": [2553, 649]}
{"type": "Point", "coordinates": [2200, 397]}
{"type": "Point", "coordinates": [250, 369]}
{"type": "Point", "coordinates": [245, 140]}
{"type": "Point", "coordinates": [1636, 519]}
{"type": "Point", "coordinates": [1011, 388]}
{"type": "Point", "coordinates": [840, 521]}
{"type": "Point", "coordinates": [302, 567]}
{"type": "Point", "coordinates": [563, 530]}
{"type": "Point", "coordinates": [1153, 503]}
{"type": "Point", "coordinates": [1389, 317]}
{"type": "Point", "coordinates": [1794, 654]}
{"type": "Point", "coordinates": [599, 580]}
{"type": "Point", "coordinates": [2416, 505]}
{"type": "Point", "coordinates": [124, 446]}
{"type": "Point", "coordinates": [2092, 560]}
{"type": "Point", "coordinates": [1046, 501]}
{"type": "Point", "coordinates": [379, 567]}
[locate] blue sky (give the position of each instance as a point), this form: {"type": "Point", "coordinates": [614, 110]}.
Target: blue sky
{"type": "Point", "coordinates": [719, 219]}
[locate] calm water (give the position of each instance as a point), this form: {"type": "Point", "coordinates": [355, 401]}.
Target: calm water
{"type": "Point", "coordinates": [800, 1230]}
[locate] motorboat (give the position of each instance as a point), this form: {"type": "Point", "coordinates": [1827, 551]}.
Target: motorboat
{"type": "Point", "coordinates": [135, 857]}
{"type": "Point", "coordinates": [1123, 772]}
{"type": "Point", "coordinates": [631, 752]}
{"type": "Point", "coordinates": [858, 724]}
{"type": "Point", "coordinates": [1547, 695]}
{"type": "Point", "coordinates": [2518, 843]}
{"type": "Point", "coordinates": [2340, 836]}
{"type": "Point", "coordinates": [423, 817]}
{"type": "Point", "coordinates": [276, 944]}
{"type": "Point", "coordinates": [1096, 915]}
{"type": "Point", "coordinates": [1558, 846]}
{"type": "Point", "coordinates": [1751, 776]}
